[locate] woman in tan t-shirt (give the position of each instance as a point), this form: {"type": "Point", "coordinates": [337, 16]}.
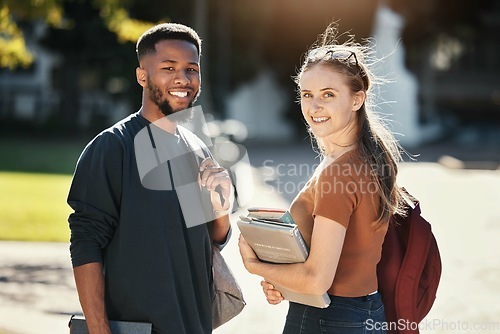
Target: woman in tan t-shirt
{"type": "Point", "coordinates": [344, 209]}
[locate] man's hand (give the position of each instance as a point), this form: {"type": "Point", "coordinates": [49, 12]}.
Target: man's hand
{"type": "Point", "coordinates": [217, 181]}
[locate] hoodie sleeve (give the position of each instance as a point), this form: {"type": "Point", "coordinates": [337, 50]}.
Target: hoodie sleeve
{"type": "Point", "coordinates": [95, 197]}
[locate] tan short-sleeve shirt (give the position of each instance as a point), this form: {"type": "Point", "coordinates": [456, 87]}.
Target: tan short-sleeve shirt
{"type": "Point", "coordinates": [344, 191]}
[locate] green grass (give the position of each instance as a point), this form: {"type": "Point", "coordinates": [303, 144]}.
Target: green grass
{"type": "Point", "coordinates": [35, 175]}
{"type": "Point", "coordinates": [33, 206]}
{"type": "Point", "coordinates": [39, 155]}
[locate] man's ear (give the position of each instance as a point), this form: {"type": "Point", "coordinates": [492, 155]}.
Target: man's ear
{"type": "Point", "coordinates": [359, 99]}
{"type": "Point", "coordinates": [141, 76]}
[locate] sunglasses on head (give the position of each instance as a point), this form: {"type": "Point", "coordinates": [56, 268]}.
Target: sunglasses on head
{"type": "Point", "coordinates": [346, 56]}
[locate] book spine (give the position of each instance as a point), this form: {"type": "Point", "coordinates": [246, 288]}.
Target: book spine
{"type": "Point", "coordinates": [300, 241]}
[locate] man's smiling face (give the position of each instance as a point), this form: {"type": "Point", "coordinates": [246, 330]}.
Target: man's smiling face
{"type": "Point", "coordinates": [173, 75]}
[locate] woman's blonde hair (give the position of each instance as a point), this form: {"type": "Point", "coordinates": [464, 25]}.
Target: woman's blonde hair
{"type": "Point", "coordinates": [377, 144]}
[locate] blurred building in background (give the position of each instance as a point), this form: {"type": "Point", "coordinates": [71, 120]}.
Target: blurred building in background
{"type": "Point", "coordinates": [27, 94]}
{"type": "Point", "coordinates": [33, 95]}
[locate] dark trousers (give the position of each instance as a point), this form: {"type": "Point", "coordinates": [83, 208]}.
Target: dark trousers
{"type": "Point", "coordinates": [345, 315]}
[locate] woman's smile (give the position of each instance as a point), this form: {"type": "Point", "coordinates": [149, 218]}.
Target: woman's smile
{"type": "Point", "coordinates": [320, 119]}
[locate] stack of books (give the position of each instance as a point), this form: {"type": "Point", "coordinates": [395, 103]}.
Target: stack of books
{"type": "Point", "coordinates": [275, 238]}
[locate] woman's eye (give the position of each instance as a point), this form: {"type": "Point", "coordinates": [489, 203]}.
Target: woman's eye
{"type": "Point", "coordinates": [306, 95]}
{"type": "Point", "coordinates": [168, 68]}
{"type": "Point", "coordinates": [328, 95]}
{"type": "Point", "coordinates": [192, 70]}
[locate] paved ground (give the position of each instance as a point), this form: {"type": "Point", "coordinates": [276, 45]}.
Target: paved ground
{"type": "Point", "coordinates": [459, 196]}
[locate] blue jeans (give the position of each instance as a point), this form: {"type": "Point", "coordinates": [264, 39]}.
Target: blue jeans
{"type": "Point", "coordinates": [345, 315]}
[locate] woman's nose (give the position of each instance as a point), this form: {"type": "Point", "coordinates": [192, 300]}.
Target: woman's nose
{"type": "Point", "coordinates": [316, 106]}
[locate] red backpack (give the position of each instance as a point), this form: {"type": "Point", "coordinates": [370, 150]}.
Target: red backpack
{"type": "Point", "coordinates": [409, 270]}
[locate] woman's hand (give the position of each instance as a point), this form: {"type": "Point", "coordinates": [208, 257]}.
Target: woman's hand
{"type": "Point", "coordinates": [273, 296]}
{"type": "Point", "coordinates": [247, 254]}
{"type": "Point", "coordinates": [217, 181]}
{"type": "Point", "coordinates": [250, 258]}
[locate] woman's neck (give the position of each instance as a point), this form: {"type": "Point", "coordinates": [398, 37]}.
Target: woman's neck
{"type": "Point", "coordinates": [342, 141]}
{"type": "Point", "coordinates": [335, 147]}
{"type": "Point", "coordinates": [337, 151]}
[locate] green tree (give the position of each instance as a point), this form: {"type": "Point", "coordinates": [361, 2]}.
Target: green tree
{"type": "Point", "coordinates": [13, 13]}
{"type": "Point", "coordinates": [13, 51]}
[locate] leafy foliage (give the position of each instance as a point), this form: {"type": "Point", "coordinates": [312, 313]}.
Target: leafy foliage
{"type": "Point", "coordinates": [13, 52]}
{"type": "Point", "coordinates": [13, 13]}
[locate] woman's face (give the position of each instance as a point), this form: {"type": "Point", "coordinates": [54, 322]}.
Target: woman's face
{"type": "Point", "coordinates": [328, 104]}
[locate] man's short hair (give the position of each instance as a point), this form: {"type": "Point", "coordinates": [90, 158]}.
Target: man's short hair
{"type": "Point", "coordinates": [165, 31]}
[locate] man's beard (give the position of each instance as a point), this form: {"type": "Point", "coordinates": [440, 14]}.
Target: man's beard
{"type": "Point", "coordinates": [174, 115]}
